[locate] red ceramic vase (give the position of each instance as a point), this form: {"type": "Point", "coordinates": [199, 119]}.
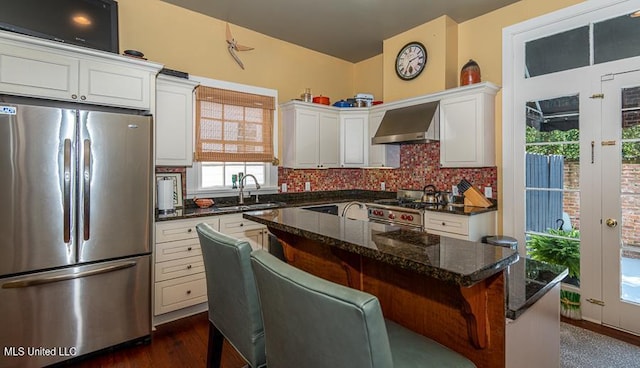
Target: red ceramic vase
{"type": "Point", "coordinates": [470, 73]}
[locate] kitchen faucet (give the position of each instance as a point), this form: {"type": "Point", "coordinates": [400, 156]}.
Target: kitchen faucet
{"type": "Point", "coordinates": [349, 205]}
{"type": "Point", "coordinates": [241, 186]}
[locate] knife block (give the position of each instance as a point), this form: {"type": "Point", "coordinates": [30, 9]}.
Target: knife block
{"type": "Point", "coordinates": [473, 197]}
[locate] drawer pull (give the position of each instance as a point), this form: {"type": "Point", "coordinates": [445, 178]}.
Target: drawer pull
{"type": "Point", "coordinates": [189, 230]}
{"type": "Point", "coordinates": [241, 224]}
{"type": "Point", "coordinates": [189, 249]}
{"type": "Point", "coordinates": [188, 292]}
{"type": "Point", "coordinates": [188, 267]}
{"type": "Point", "coordinates": [443, 223]}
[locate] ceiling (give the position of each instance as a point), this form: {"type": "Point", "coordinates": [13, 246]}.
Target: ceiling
{"type": "Point", "coordinates": [351, 30]}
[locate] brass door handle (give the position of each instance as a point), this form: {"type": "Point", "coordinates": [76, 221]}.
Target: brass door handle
{"type": "Point", "coordinates": [612, 222]}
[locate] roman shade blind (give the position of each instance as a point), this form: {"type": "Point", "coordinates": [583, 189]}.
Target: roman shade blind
{"type": "Point", "coordinates": [233, 126]}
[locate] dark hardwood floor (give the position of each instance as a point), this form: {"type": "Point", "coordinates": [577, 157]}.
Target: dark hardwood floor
{"type": "Point", "coordinates": [183, 343]}
{"type": "Point", "coordinates": [604, 330]}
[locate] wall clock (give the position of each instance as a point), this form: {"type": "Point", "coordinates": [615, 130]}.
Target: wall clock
{"type": "Point", "coordinates": [411, 60]}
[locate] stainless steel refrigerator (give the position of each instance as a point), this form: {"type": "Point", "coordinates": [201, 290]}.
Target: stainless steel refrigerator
{"type": "Point", "coordinates": [75, 230]}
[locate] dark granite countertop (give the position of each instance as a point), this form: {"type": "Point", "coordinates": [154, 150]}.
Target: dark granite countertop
{"type": "Point", "coordinates": [459, 262]}
{"type": "Point", "coordinates": [529, 280]}
{"type": "Point", "coordinates": [462, 210]}
{"type": "Point", "coordinates": [227, 205]}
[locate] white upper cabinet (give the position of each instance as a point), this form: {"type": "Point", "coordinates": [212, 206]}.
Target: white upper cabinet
{"type": "Point", "coordinates": [318, 136]}
{"type": "Point", "coordinates": [174, 121]}
{"type": "Point", "coordinates": [467, 127]}
{"type": "Point", "coordinates": [47, 69]}
{"type": "Point", "coordinates": [381, 155]}
{"type": "Point", "coordinates": [354, 137]}
{"type": "Point", "coordinates": [311, 136]}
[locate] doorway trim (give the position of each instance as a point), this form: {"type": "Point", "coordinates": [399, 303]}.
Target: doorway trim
{"type": "Point", "coordinates": [514, 37]}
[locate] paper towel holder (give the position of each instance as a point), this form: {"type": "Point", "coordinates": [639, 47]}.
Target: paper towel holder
{"type": "Point", "coordinates": [173, 192]}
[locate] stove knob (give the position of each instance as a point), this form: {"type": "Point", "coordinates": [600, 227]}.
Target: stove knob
{"type": "Point", "coordinates": [410, 217]}
{"type": "Point", "coordinates": [392, 216]}
{"type": "Point", "coordinates": [403, 217]}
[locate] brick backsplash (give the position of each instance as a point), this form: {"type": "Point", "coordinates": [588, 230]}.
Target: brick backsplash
{"type": "Point", "coordinates": [419, 166]}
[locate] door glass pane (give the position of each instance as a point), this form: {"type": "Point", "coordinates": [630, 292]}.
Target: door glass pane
{"type": "Point", "coordinates": [552, 182]}
{"type": "Point", "coordinates": [630, 196]}
{"type": "Point", "coordinates": [558, 52]}
{"type": "Point", "coordinates": [616, 39]}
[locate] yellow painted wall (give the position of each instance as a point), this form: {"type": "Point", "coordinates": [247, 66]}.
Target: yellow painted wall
{"type": "Point", "coordinates": [480, 39]}
{"type": "Point", "coordinates": [188, 41]}
{"type": "Point", "coordinates": [368, 77]}
{"type": "Point", "coordinates": [433, 35]}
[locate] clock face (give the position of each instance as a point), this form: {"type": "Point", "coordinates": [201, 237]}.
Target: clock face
{"type": "Point", "coordinates": [411, 60]}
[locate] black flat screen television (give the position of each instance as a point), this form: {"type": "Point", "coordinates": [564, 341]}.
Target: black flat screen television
{"type": "Point", "coordinates": [88, 23]}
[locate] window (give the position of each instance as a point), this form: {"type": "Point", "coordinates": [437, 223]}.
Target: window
{"type": "Point", "coordinates": [593, 43]}
{"type": "Point", "coordinates": [233, 126]}
{"type": "Point", "coordinates": [220, 175]}
{"type": "Point", "coordinates": [236, 131]}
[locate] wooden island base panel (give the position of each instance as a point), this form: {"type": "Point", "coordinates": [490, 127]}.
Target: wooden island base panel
{"type": "Point", "coordinates": [469, 320]}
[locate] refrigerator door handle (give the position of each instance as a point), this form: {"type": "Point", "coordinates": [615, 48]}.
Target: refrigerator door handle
{"type": "Point", "coordinates": [86, 174]}
{"type": "Point", "coordinates": [34, 281]}
{"type": "Point", "coordinates": [67, 192]}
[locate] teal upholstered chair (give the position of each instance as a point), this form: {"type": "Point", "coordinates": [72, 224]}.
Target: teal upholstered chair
{"type": "Point", "coordinates": [234, 310]}
{"type": "Point", "coordinates": [314, 323]}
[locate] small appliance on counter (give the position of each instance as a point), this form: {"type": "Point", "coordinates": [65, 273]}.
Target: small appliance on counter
{"type": "Point", "coordinates": [364, 99]}
{"type": "Point", "coordinates": [165, 195]}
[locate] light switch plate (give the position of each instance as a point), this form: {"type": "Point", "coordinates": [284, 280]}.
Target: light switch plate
{"type": "Point", "coordinates": [383, 186]}
{"type": "Point", "coordinates": [488, 192]}
{"type": "Point", "coordinates": [307, 186]}
{"type": "Point", "coordinates": [454, 190]}
{"type": "Point", "coordinates": [283, 187]}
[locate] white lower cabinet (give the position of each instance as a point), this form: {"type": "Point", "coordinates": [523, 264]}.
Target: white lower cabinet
{"type": "Point", "coordinates": [472, 227]}
{"type": "Point", "coordinates": [237, 227]}
{"type": "Point", "coordinates": [180, 286]}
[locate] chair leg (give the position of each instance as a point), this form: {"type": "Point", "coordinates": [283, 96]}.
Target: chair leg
{"type": "Point", "coordinates": [214, 347]}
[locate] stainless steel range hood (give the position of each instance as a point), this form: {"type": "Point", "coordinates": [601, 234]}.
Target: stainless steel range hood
{"type": "Point", "coordinates": [411, 124]}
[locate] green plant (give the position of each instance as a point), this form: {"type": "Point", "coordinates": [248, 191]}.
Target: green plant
{"type": "Point", "coordinates": [561, 251]}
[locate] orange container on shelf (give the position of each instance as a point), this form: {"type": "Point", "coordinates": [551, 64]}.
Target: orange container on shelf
{"type": "Point", "coordinates": [321, 100]}
{"type": "Point", "coordinates": [470, 73]}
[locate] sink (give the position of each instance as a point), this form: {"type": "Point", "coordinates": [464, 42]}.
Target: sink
{"type": "Point", "coordinates": [250, 207]}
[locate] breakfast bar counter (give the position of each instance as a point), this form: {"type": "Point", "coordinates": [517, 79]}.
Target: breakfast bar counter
{"type": "Point", "coordinates": [450, 290]}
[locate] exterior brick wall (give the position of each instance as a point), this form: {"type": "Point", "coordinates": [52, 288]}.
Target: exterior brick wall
{"type": "Point", "coordinates": [630, 183]}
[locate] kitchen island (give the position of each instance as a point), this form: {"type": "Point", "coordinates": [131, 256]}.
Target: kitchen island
{"type": "Point", "coordinates": [450, 290]}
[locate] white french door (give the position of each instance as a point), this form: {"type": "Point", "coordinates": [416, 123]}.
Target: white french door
{"type": "Point", "coordinates": [571, 93]}
{"type": "Point", "coordinates": [620, 198]}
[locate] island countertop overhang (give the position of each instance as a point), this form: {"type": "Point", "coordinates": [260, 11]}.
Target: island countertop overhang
{"type": "Point", "coordinates": [455, 261]}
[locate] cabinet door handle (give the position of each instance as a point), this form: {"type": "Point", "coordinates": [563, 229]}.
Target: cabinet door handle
{"type": "Point", "coordinates": [443, 223]}
{"type": "Point", "coordinates": [188, 292]}
{"type": "Point", "coordinates": [74, 96]}
{"type": "Point", "coordinates": [188, 267]}
{"type": "Point", "coordinates": [83, 98]}
{"type": "Point", "coordinates": [189, 249]}
{"type": "Point", "coordinates": [189, 230]}
{"type": "Point", "coordinates": [241, 224]}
